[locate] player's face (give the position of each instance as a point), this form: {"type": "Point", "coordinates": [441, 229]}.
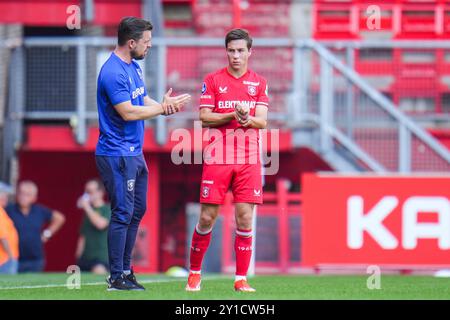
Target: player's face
{"type": "Point", "coordinates": [238, 54]}
{"type": "Point", "coordinates": [142, 46]}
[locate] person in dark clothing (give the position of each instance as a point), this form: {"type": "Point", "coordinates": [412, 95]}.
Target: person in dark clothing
{"type": "Point", "coordinates": [29, 219]}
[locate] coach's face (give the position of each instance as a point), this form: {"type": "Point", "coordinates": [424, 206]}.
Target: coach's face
{"type": "Point", "coordinates": [140, 47]}
{"type": "Point", "coordinates": [238, 54]}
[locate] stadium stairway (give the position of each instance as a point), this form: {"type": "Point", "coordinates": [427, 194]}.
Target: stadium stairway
{"type": "Point", "coordinates": [363, 133]}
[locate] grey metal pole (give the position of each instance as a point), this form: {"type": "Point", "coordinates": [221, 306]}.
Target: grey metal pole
{"type": "Point", "coordinates": [81, 94]}
{"type": "Point", "coordinates": [299, 87]}
{"type": "Point", "coordinates": [89, 10]}
{"type": "Point", "coordinates": [404, 150]}
{"type": "Point", "coordinates": [13, 129]}
{"type": "Point", "coordinates": [326, 104]}
{"type": "Point", "coordinates": [153, 11]}
{"type": "Point", "coordinates": [350, 94]}
{"type": "Point", "coordinates": [161, 124]}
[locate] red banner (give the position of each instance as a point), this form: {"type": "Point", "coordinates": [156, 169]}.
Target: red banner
{"type": "Point", "coordinates": [385, 220]}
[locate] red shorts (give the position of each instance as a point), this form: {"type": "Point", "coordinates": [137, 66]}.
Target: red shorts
{"type": "Point", "coordinates": [245, 181]}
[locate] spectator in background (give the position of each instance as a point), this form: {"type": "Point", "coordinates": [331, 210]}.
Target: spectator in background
{"type": "Point", "coordinates": [29, 219]}
{"type": "Point", "coordinates": [9, 240]}
{"type": "Point", "coordinates": [92, 247]}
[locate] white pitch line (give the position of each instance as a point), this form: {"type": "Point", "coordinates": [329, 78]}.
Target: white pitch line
{"type": "Point", "coordinates": [102, 283]}
{"type": "Point", "coordinates": [83, 284]}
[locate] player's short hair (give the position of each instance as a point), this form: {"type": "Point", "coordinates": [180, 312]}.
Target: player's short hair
{"type": "Point", "coordinates": [132, 28]}
{"type": "Point", "coordinates": [239, 34]}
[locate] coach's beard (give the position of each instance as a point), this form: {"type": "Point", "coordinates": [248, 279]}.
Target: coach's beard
{"type": "Point", "coordinates": [136, 56]}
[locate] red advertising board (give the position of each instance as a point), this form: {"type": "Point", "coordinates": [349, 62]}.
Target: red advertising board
{"type": "Point", "coordinates": [384, 220]}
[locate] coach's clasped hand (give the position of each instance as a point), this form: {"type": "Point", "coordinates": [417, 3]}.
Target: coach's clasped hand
{"type": "Point", "coordinates": [174, 104]}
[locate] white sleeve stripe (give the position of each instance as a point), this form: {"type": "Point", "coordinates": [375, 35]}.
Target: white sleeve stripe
{"type": "Point", "coordinates": [264, 103]}
{"type": "Point", "coordinates": [207, 105]}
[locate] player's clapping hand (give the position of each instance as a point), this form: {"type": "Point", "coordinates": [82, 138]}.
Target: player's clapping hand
{"type": "Point", "coordinates": [242, 114]}
{"type": "Point", "coordinates": [174, 104]}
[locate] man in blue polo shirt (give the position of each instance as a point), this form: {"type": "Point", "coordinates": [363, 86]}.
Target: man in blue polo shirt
{"type": "Point", "coordinates": [123, 105]}
{"type": "Point", "coordinates": [29, 219]}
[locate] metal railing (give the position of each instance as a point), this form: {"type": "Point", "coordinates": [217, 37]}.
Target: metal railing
{"type": "Point", "coordinates": [379, 126]}
{"type": "Point", "coordinates": [72, 65]}
{"type": "Point", "coordinates": [308, 82]}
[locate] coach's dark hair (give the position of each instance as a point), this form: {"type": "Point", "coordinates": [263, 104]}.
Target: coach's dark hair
{"type": "Point", "coordinates": [239, 34]}
{"type": "Point", "coordinates": [132, 28]}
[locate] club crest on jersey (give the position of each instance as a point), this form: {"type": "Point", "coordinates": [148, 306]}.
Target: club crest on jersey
{"type": "Point", "coordinates": [130, 185]}
{"type": "Point", "coordinates": [252, 90]}
{"type": "Point", "coordinates": [203, 88]}
{"type": "Point", "coordinates": [205, 192]}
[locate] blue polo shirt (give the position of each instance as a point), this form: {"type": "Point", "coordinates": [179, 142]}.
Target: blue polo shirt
{"type": "Point", "coordinates": [118, 82]}
{"type": "Point", "coordinates": [29, 228]}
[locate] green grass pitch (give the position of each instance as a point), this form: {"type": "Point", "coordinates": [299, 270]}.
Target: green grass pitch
{"type": "Point", "coordinates": [219, 287]}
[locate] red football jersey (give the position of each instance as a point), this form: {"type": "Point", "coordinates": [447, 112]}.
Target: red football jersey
{"type": "Point", "coordinates": [221, 91]}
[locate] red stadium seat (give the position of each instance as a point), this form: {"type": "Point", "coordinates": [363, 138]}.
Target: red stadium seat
{"type": "Point", "coordinates": [402, 74]}
{"type": "Point", "coordinates": [266, 19]}
{"type": "Point", "coordinates": [335, 20]}
{"type": "Point", "coordinates": [212, 20]}
{"type": "Point", "coordinates": [418, 21]}
{"type": "Point", "coordinates": [402, 19]}
{"type": "Point", "coordinates": [446, 22]}
{"type": "Point", "coordinates": [261, 18]}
